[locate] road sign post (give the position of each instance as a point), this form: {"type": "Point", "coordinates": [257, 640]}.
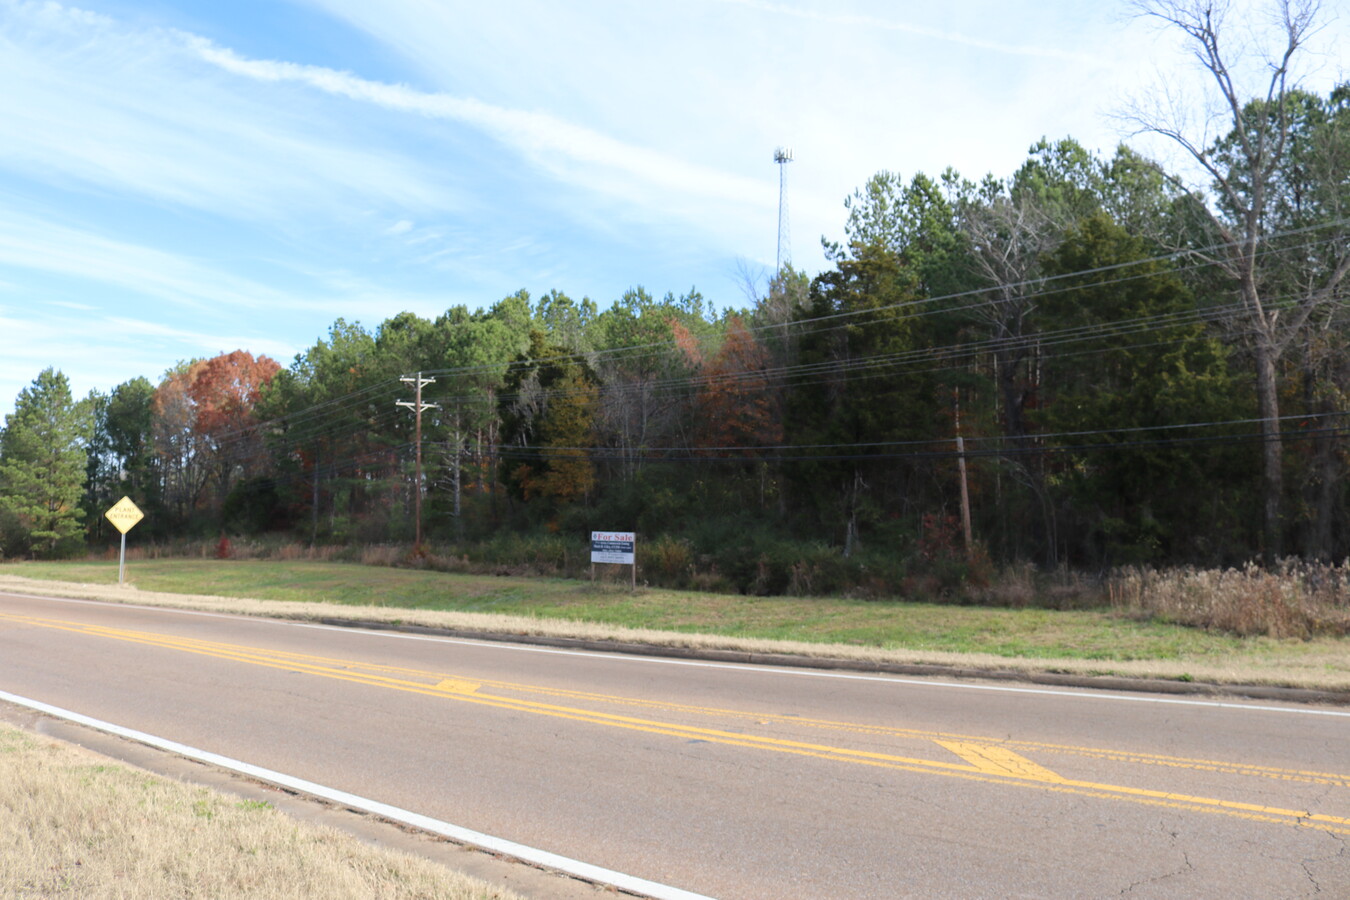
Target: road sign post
{"type": "Point", "coordinates": [124, 515]}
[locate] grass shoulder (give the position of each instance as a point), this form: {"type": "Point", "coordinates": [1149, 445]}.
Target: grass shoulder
{"type": "Point", "coordinates": [76, 824]}
{"type": "Point", "coordinates": [1103, 640]}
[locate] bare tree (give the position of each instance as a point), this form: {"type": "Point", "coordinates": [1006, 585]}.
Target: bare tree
{"type": "Point", "coordinates": [1244, 169]}
{"type": "Point", "coordinates": [1008, 237]}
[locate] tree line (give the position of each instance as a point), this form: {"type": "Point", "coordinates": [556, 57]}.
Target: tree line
{"type": "Point", "coordinates": [1091, 361]}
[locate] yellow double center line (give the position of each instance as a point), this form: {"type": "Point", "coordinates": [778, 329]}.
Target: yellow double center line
{"type": "Point", "coordinates": [981, 760]}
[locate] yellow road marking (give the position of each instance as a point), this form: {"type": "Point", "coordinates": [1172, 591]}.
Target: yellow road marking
{"type": "Point", "coordinates": [1000, 761]}
{"type": "Point", "coordinates": [984, 763]}
{"type": "Point", "coordinates": [455, 686]}
{"type": "Point", "coordinates": [762, 718]}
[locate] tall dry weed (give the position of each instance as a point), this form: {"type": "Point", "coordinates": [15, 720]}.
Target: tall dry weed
{"type": "Point", "coordinates": [387, 555]}
{"type": "Point", "coordinates": [1295, 599]}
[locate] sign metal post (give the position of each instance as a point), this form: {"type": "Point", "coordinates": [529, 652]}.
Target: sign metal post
{"type": "Point", "coordinates": [124, 515]}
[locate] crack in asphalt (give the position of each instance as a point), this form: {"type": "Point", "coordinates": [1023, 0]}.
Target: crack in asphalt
{"type": "Point", "coordinates": [1307, 863]}
{"type": "Point", "coordinates": [1186, 865]}
{"type": "Point", "coordinates": [1186, 868]}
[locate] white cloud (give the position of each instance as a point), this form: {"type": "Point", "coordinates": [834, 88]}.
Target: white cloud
{"type": "Point", "coordinates": [953, 37]}
{"type": "Point", "coordinates": [97, 352]}
{"type": "Point", "coordinates": [203, 343]}
{"type": "Point", "coordinates": [30, 242]}
{"type": "Point", "coordinates": [94, 105]}
{"type": "Point", "coordinates": [548, 141]}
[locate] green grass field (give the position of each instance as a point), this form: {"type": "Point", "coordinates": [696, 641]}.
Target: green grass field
{"type": "Point", "coordinates": [1026, 633]}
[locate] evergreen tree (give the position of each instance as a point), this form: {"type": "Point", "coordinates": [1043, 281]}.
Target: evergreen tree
{"type": "Point", "coordinates": [853, 398]}
{"type": "Point", "coordinates": [548, 422]}
{"type": "Point", "coordinates": [42, 467]}
{"type": "Point", "coordinates": [1142, 362]}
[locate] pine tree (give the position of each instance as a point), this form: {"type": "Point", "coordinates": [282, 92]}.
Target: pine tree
{"type": "Point", "coordinates": [42, 466]}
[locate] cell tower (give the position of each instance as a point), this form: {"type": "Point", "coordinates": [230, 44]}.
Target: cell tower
{"type": "Point", "coordinates": [783, 156]}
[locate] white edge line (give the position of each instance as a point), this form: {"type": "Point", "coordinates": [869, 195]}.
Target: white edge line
{"type": "Point", "coordinates": [531, 855]}
{"type": "Point", "coordinates": [1083, 694]}
{"type": "Point", "coordinates": [784, 669]}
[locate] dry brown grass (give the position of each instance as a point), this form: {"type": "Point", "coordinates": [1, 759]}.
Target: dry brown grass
{"type": "Point", "coordinates": [1294, 600]}
{"type": "Point", "coordinates": [293, 551]}
{"type": "Point", "coordinates": [73, 824]}
{"type": "Point", "coordinates": [383, 555]}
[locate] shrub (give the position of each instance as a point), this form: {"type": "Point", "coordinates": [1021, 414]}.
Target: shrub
{"type": "Point", "coordinates": [666, 561]}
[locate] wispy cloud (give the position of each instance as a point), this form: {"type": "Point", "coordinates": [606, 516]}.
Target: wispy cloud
{"type": "Point", "coordinates": [94, 262]}
{"type": "Point", "coordinates": [113, 349]}
{"type": "Point", "coordinates": [951, 37]}
{"type": "Point", "coordinates": [205, 343]}
{"type": "Point", "coordinates": [98, 106]}
{"type": "Point", "coordinates": [30, 242]}
{"type": "Point", "coordinates": [549, 142]}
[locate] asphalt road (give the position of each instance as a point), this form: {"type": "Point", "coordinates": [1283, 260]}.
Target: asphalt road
{"type": "Point", "coordinates": [733, 781]}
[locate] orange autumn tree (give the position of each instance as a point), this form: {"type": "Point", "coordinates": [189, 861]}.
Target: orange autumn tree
{"type": "Point", "coordinates": [225, 389]}
{"type": "Point", "coordinates": [735, 406]}
{"type": "Point", "coordinates": [205, 429]}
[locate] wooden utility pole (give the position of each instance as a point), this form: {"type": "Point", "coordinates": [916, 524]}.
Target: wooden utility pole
{"type": "Point", "coordinates": [417, 406]}
{"type": "Point", "coordinates": [314, 502]}
{"type": "Point", "coordinates": [458, 477]}
{"type": "Point", "coordinates": [961, 467]}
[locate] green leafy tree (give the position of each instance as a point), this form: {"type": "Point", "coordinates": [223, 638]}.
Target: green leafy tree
{"type": "Point", "coordinates": [128, 422]}
{"type": "Point", "coordinates": [548, 424]}
{"type": "Point", "coordinates": [567, 322]}
{"type": "Point", "coordinates": [916, 220]}
{"type": "Point", "coordinates": [645, 392]}
{"type": "Point", "coordinates": [852, 394]}
{"type": "Point", "coordinates": [326, 419]}
{"type": "Point", "coordinates": [42, 465]}
{"type": "Point", "coordinates": [1149, 365]}
{"type": "Point", "coordinates": [472, 354]}
{"type": "Point", "coordinates": [101, 470]}
{"type": "Point", "coordinates": [1257, 172]}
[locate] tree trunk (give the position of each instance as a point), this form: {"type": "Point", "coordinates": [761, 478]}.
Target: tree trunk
{"type": "Point", "coordinates": [1325, 505]}
{"type": "Point", "coordinates": [851, 526]}
{"type": "Point", "coordinates": [1006, 365]}
{"type": "Point", "coordinates": [1272, 452]}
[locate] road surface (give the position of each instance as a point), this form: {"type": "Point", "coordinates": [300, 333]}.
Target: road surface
{"type": "Point", "coordinates": [732, 781]}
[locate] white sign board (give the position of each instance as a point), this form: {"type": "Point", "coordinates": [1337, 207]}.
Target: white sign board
{"type": "Point", "coordinates": [614, 547]}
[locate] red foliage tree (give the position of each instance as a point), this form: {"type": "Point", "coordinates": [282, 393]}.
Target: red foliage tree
{"type": "Point", "coordinates": [225, 389]}
{"type": "Point", "coordinates": [205, 427]}
{"type": "Point", "coordinates": [736, 405]}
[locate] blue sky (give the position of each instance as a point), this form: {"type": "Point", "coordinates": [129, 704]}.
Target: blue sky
{"type": "Point", "coordinates": [180, 179]}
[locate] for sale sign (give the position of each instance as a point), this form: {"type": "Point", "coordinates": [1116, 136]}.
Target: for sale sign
{"type": "Point", "coordinates": [614, 547]}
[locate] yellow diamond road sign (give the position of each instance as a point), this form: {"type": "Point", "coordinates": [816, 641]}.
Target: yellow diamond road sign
{"type": "Point", "coordinates": [124, 515]}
